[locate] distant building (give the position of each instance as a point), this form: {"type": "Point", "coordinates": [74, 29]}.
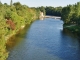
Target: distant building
{"type": "Point", "coordinates": [41, 14]}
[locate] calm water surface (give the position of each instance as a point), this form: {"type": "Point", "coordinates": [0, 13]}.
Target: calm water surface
{"type": "Point", "coordinates": [44, 40]}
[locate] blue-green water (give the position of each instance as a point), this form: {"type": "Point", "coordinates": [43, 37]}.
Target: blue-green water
{"type": "Point", "coordinates": [44, 40]}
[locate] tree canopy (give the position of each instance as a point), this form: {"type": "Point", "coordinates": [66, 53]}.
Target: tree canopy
{"type": "Point", "coordinates": [71, 14]}
{"type": "Point", "coordinates": [12, 18]}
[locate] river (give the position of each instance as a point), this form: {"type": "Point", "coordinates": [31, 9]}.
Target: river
{"type": "Point", "coordinates": [44, 40]}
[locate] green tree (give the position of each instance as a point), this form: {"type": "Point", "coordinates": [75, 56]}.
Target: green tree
{"type": "Point", "coordinates": [42, 9]}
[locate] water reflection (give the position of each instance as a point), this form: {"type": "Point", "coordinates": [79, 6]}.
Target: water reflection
{"type": "Point", "coordinates": [17, 39]}
{"type": "Point", "coordinates": [70, 46]}
{"type": "Point", "coordinates": [45, 40]}
{"type": "Point", "coordinates": [41, 18]}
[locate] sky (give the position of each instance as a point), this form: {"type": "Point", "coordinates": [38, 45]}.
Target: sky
{"type": "Point", "coordinates": [38, 3]}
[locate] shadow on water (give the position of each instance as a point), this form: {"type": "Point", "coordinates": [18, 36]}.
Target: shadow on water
{"type": "Point", "coordinates": [67, 47]}
{"type": "Point", "coordinates": [71, 34]}
{"type": "Point", "coordinates": [44, 40]}
{"type": "Point", "coordinates": [17, 39]}
{"type": "Point", "coordinates": [70, 46]}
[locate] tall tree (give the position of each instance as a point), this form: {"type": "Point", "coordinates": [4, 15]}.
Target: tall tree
{"type": "Point", "coordinates": [11, 3]}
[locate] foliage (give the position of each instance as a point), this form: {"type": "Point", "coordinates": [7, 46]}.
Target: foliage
{"type": "Point", "coordinates": [48, 10]}
{"type": "Point", "coordinates": [42, 9]}
{"type": "Point", "coordinates": [12, 18]}
{"type": "Point", "coordinates": [71, 14]}
{"type": "Point", "coordinates": [71, 18]}
{"type": "Point", "coordinates": [56, 11]}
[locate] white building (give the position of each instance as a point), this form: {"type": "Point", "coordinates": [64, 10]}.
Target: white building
{"type": "Point", "coordinates": [41, 14]}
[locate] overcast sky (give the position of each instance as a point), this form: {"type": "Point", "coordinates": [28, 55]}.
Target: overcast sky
{"type": "Point", "coordinates": [36, 3]}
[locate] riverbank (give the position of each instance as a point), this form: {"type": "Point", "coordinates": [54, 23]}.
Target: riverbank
{"type": "Point", "coordinates": [13, 18]}
{"type": "Point", "coordinates": [44, 40]}
{"type": "Point", "coordinates": [26, 46]}
{"type": "Point", "coordinates": [74, 29]}
{"type": "Point", "coordinates": [9, 37]}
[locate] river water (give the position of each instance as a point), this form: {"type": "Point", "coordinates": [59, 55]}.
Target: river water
{"type": "Point", "coordinates": [44, 40]}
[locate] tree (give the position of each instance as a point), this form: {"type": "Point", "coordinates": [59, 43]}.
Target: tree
{"type": "Point", "coordinates": [67, 13]}
{"type": "Point", "coordinates": [42, 9]}
{"type": "Point", "coordinates": [53, 11]}
{"type": "Point", "coordinates": [71, 14]}
{"type": "Point", "coordinates": [11, 3]}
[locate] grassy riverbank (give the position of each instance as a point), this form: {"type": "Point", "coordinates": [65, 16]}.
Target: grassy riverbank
{"type": "Point", "coordinates": [71, 18]}
{"type": "Point", "coordinates": [13, 18]}
{"type": "Point", "coordinates": [74, 29]}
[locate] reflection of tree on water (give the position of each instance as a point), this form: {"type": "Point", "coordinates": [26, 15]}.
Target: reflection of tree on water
{"type": "Point", "coordinates": [69, 33]}
{"type": "Point", "coordinates": [16, 39]}
{"type": "Point", "coordinates": [41, 18]}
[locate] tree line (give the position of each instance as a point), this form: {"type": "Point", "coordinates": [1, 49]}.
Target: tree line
{"type": "Point", "coordinates": [71, 14]}
{"type": "Point", "coordinates": [49, 10]}
{"type": "Point", "coordinates": [71, 17]}
{"type": "Point", "coordinates": [16, 15]}
{"type": "Point", "coordinates": [12, 18]}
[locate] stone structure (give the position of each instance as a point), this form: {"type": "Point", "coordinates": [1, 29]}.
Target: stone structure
{"type": "Point", "coordinates": [41, 15]}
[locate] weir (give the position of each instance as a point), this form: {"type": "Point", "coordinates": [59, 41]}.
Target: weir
{"type": "Point", "coordinates": [54, 17]}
